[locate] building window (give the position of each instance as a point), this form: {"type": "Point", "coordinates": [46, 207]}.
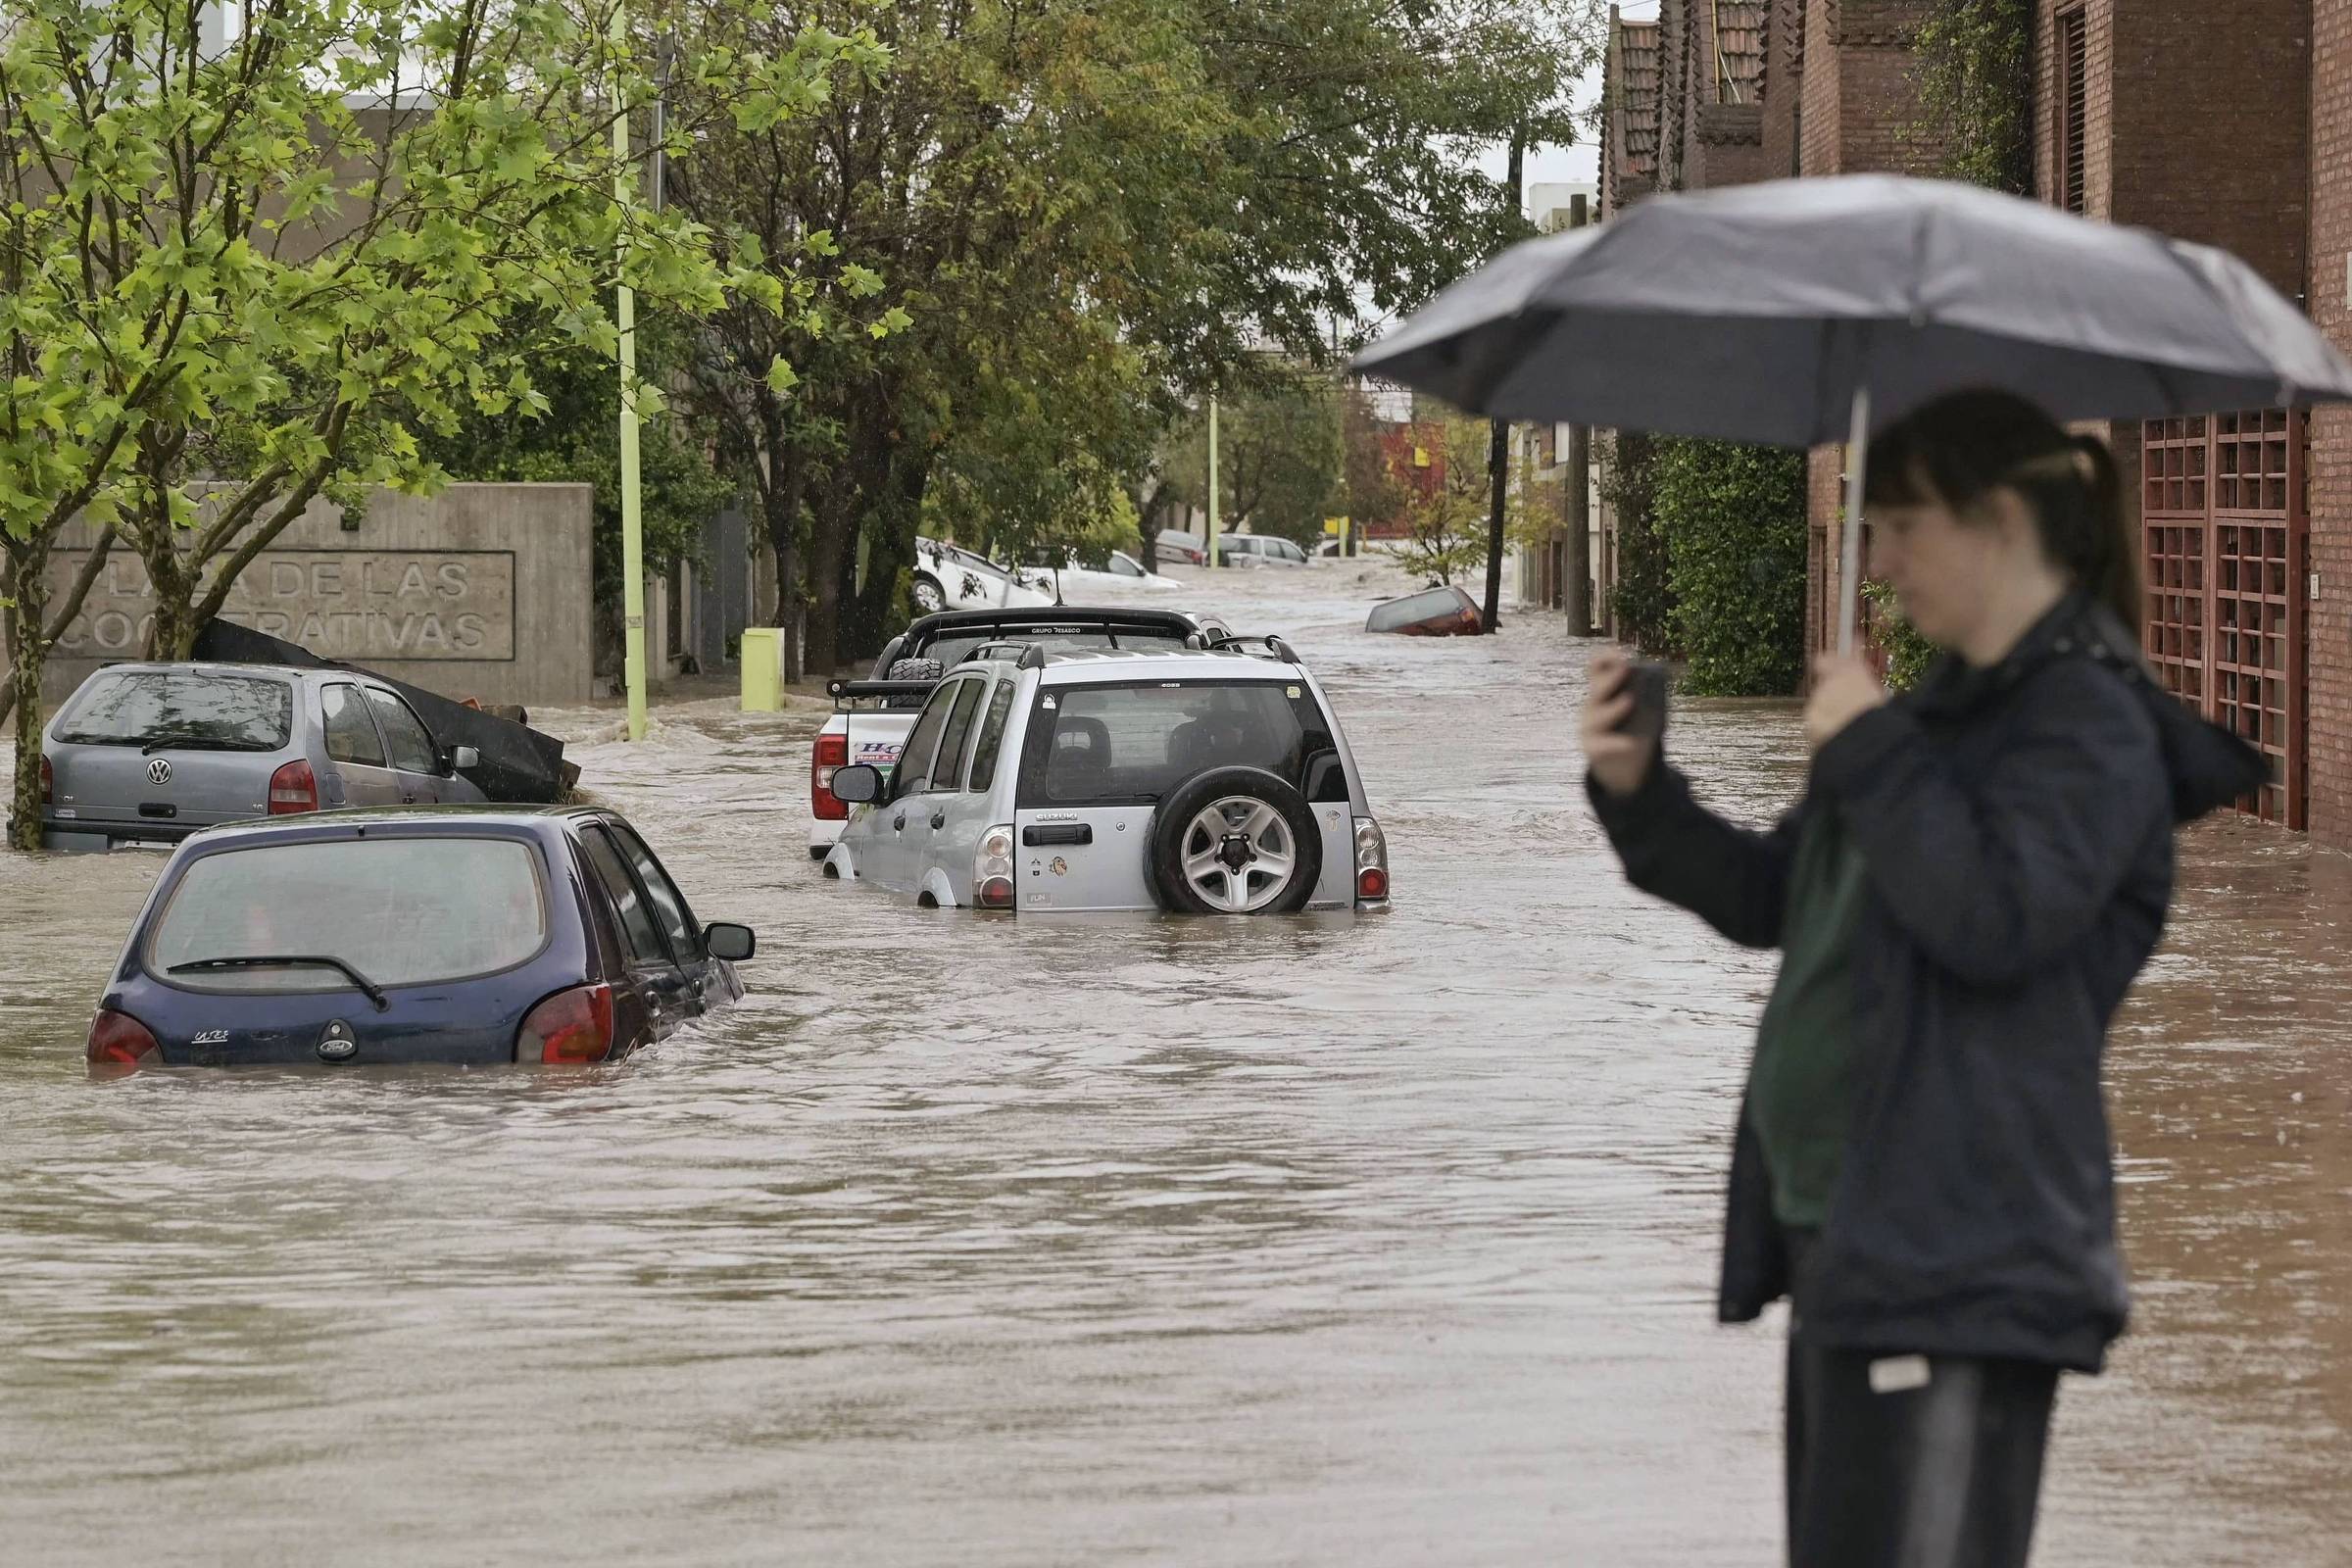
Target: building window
{"type": "Point", "coordinates": [2073, 101]}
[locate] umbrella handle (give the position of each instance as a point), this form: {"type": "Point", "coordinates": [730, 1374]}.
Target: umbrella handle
{"type": "Point", "coordinates": [1849, 574]}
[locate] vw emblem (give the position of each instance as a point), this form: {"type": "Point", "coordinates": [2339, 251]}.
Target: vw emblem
{"type": "Point", "coordinates": [159, 771]}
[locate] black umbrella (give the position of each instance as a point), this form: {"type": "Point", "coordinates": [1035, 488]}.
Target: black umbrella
{"type": "Point", "coordinates": [1788, 313]}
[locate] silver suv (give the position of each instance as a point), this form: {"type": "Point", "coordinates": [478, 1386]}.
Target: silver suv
{"type": "Point", "coordinates": [150, 754]}
{"type": "Point", "coordinates": [1199, 782]}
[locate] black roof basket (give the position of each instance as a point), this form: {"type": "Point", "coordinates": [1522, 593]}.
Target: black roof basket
{"type": "Point", "coordinates": [1274, 645]}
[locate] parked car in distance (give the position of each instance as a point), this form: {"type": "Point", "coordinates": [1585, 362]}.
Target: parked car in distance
{"type": "Point", "coordinates": [951, 577]}
{"type": "Point", "coordinates": [1119, 573]}
{"type": "Point", "coordinates": [1257, 549]}
{"type": "Point", "coordinates": [151, 753]}
{"type": "Point", "coordinates": [1208, 782]}
{"type": "Point", "coordinates": [465, 935]}
{"type": "Point", "coordinates": [1177, 545]}
{"type": "Point", "coordinates": [871, 717]}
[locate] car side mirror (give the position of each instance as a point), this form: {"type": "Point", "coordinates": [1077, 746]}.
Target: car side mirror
{"type": "Point", "coordinates": [859, 785]}
{"type": "Point", "coordinates": [463, 759]}
{"type": "Point", "coordinates": [733, 943]}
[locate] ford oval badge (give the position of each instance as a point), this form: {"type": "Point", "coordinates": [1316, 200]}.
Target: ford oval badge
{"type": "Point", "coordinates": [337, 1045]}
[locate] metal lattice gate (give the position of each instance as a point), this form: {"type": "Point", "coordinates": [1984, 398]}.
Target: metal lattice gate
{"type": "Point", "coordinates": [2227, 524]}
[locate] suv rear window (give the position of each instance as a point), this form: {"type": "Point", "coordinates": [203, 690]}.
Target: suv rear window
{"type": "Point", "coordinates": [401, 910]}
{"type": "Point", "coordinates": [190, 710]}
{"type": "Point", "coordinates": [1132, 744]}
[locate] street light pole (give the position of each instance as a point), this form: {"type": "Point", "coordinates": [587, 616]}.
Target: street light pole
{"type": "Point", "coordinates": [632, 517]}
{"type": "Point", "coordinates": [1212, 482]}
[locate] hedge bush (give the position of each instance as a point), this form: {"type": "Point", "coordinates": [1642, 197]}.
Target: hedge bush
{"type": "Point", "coordinates": [1643, 596]}
{"type": "Point", "coordinates": [1733, 518]}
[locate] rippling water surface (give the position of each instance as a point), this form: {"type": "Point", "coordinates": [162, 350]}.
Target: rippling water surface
{"type": "Point", "coordinates": [1328, 1239]}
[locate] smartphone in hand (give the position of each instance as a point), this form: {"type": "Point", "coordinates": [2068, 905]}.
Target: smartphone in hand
{"type": "Point", "coordinates": [1648, 680]}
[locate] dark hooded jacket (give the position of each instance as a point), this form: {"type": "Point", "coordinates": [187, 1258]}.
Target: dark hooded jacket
{"type": "Point", "coordinates": [2016, 824]}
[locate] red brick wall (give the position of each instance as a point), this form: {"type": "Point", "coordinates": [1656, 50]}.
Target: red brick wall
{"type": "Point", "coordinates": [1783, 85]}
{"type": "Point", "coordinates": [2191, 154]}
{"type": "Point", "coordinates": [2331, 481]}
{"type": "Point", "coordinates": [1861, 116]}
{"type": "Point", "coordinates": [2099, 111]}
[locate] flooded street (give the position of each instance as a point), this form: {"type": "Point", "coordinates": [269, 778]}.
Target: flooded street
{"type": "Point", "coordinates": [1328, 1239]}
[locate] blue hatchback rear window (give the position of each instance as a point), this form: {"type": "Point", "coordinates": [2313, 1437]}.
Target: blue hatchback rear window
{"type": "Point", "coordinates": [401, 910]}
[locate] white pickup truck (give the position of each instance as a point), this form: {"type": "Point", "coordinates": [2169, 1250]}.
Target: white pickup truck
{"type": "Point", "coordinates": [871, 717]}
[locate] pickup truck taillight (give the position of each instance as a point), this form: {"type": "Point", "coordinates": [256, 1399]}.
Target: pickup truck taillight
{"type": "Point", "coordinates": [832, 752]}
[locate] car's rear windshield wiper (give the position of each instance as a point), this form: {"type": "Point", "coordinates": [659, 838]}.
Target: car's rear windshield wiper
{"type": "Point", "coordinates": [276, 961]}
{"type": "Point", "coordinates": [200, 743]}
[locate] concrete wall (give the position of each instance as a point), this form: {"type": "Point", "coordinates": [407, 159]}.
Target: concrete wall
{"type": "Point", "coordinates": [482, 591]}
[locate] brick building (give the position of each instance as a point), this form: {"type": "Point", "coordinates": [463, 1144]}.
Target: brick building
{"type": "Point", "coordinates": [2230, 125]}
{"type": "Point", "coordinates": [1714, 93]}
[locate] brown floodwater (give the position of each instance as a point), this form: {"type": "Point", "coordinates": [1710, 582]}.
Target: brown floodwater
{"type": "Point", "coordinates": [1382, 1240]}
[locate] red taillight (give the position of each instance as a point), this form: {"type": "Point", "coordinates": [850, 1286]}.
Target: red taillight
{"type": "Point", "coordinates": [118, 1043]}
{"type": "Point", "coordinates": [293, 788]}
{"type": "Point", "coordinates": [1372, 882]}
{"type": "Point", "coordinates": [994, 894]}
{"type": "Point", "coordinates": [832, 752]}
{"type": "Point", "coordinates": [48, 781]}
{"type": "Point", "coordinates": [572, 1027]}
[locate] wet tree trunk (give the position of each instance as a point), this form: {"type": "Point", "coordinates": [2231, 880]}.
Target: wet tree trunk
{"type": "Point", "coordinates": [74, 598]}
{"type": "Point", "coordinates": [27, 564]}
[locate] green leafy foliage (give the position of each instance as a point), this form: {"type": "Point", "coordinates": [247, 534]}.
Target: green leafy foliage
{"type": "Point", "coordinates": [1087, 213]}
{"type": "Point", "coordinates": [1733, 518]}
{"type": "Point", "coordinates": [1277, 457]}
{"type": "Point", "coordinates": [1643, 600]}
{"type": "Point", "coordinates": [239, 274]}
{"type": "Point", "coordinates": [571, 435]}
{"type": "Point", "coordinates": [1909, 655]}
{"type": "Point", "coordinates": [1446, 531]}
{"type": "Point", "coordinates": [1973, 66]}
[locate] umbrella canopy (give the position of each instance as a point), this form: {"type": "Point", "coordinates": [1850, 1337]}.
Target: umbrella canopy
{"type": "Point", "coordinates": [1757, 313]}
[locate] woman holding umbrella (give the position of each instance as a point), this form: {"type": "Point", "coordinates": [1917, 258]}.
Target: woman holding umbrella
{"type": "Point", "coordinates": [1977, 871]}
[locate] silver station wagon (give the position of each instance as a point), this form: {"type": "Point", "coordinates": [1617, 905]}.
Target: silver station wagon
{"type": "Point", "coordinates": [150, 754]}
{"type": "Point", "coordinates": [1198, 782]}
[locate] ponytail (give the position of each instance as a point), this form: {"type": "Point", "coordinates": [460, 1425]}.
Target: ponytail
{"type": "Point", "coordinates": [1958, 448]}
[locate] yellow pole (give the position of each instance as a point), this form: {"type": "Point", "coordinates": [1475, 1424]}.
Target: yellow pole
{"type": "Point", "coordinates": [1212, 482]}
{"type": "Point", "coordinates": [632, 519]}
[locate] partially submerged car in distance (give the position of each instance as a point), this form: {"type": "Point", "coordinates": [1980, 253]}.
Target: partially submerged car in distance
{"type": "Point", "coordinates": [1211, 781]}
{"type": "Point", "coordinates": [152, 752]}
{"type": "Point", "coordinates": [1447, 611]}
{"type": "Point", "coordinates": [469, 936]}
{"type": "Point", "coordinates": [873, 716]}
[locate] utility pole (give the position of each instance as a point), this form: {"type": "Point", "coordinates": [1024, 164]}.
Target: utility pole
{"type": "Point", "coordinates": [1498, 449]}
{"type": "Point", "coordinates": [1577, 515]}
{"type": "Point", "coordinates": [632, 517]}
{"type": "Point", "coordinates": [1212, 482]}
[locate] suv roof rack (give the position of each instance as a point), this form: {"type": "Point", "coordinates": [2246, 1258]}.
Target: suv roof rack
{"type": "Point", "coordinates": [1274, 645]}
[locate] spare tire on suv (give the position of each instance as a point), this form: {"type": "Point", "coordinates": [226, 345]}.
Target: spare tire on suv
{"type": "Point", "coordinates": [1234, 841]}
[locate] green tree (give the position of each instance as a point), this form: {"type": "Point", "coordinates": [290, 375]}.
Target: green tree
{"type": "Point", "coordinates": [1279, 459]}
{"type": "Point", "coordinates": [1089, 213]}
{"type": "Point", "coordinates": [1973, 66]}
{"type": "Point", "coordinates": [576, 439]}
{"type": "Point", "coordinates": [1643, 599]}
{"type": "Point", "coordinates": [1733, 519]}
{"type": "Point", "coordinates": [1446, 529]}
{"type": "Point", "coordinates": [240, 273]}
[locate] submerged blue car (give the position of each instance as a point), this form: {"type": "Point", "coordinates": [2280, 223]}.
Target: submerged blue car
{"type": "Point", "coordinates": [459, 935]}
